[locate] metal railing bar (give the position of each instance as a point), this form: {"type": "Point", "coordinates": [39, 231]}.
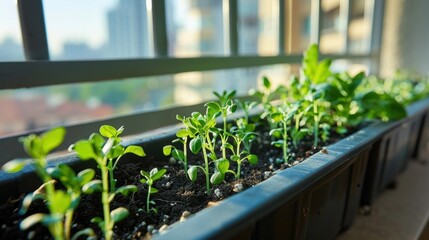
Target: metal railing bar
{"type": "Point", "coordinates": [345, 21]}
{"type": "Point", "coordinates": [159, 28]}
{"type": "Point", "coordinates": [230, 13]}
{"type": "Point", "coordinates": [316, 14]}
{"type": "Point", "coordinates": [374, 10]}
{"type": "Point", "coordinates": [33, 29]}
{"type": "Point", "coordinates": [282, 26]}
{"type": "Point", "coordinates": [15, 75]}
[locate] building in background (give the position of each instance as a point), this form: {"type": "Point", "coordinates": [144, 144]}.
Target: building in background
{"type": "Point", "coordinates": [128, 30]}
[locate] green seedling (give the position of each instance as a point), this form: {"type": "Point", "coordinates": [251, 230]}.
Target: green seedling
{"type": "Point", "coordinates": [73, 184]}
{"type": "Point", "coordinates": [245, 106]}
{"type": "Point", "coordinates": [149, 179]}
{"type": "Point", "coordinates": [106, 153]}
{"type": "Point", "coordinates": [266, 94]}
{"type": "Point", "coordinates": [298, 131]}
{"type": "Point", "coordinates": [242, 140]}
{"type": "Point", "coordinates": [182, 136]}
{"type": "Point", "coordinates": [61, 204]}
{"type": "Point", "coordinates": [282, 116]}
{"type": "Point", "coordinates": [201, 125]}
{"type": "Point", "coordinates": [225, 106]}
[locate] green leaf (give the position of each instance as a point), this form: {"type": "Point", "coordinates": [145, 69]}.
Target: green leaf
{"type": "Point", "coordinates": [228, 146]}
{"type": "Point", "coordinates": [145, 174]}
{"type": "Point", "coordinates": [276, 117]}
{"type": "Point", "coordinates": [222, 164]}
{"type": "Point", "coordinates": [84, 150]}
{"type": "Point", "coordinates": [137, 150]}
{"type": "Point", "coordinates": [63, 172]}
{"type": "Point", "coordinates": [266, 82]}
{"type": "Point", "coordinates": [253, 159]}
{"type": "Point", "coordinates": [93, 186]}
{"type": "Point", "coordinates": [97, 140]}
{"type": "Point", "coordinates": [195, 145]}
{"type": "Point", "coordinates": [214, 106]}
{"type": "Point", "coordinates": [85, 176]}
{"type": "Point", "coordinates": [179, 155]}
{"type": "Point", "coordinates": [153, 190]}
{"type": "Point", "coordinates": [31, 220]}
{"type": "Point", "coordinates": [15, 165]}
{"type": "Point", "coordinates": [119, 214]}
{"type": "Point", "coordinates": [108, 131]}
{"type": "Point", "coordinates": [158, 174]}
{"type": "Point", "coordinates": [192, 173]}
{"type": "Point", "coordinates": [52, 139]}
{"type": "Point", "coordinates": [235, 158]}
{"type": "Point", "coordinates": [84, 232]}
{"type": "Point", "coordinates": [278, 143]}
{"type": "Point", "coordinates": [217, 178]}
{"type": "Point", "coordinates": [126, 190]}
{"type": "Point", "coordinates": [167, 150]}
{"type": "Point", "coordinates": [60, 202]}
{"type": "Point", "coordinates": [275, 131]}
{"type": "Point", "coordinates": [33, 146]}
{"type": "Point", "coordinates": [383, 106]}
{"type": "Point", "coordinates": [356, 81]}
{"type": "Point", "coordinates": [182, 133]}
{"type": "Point", "coordinates": [26, 202]}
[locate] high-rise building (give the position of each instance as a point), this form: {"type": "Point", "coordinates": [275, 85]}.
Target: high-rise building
{"type": "Point", "coordinates": [128, 30]}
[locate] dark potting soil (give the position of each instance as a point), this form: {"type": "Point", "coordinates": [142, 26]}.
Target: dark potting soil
{"type": "Point", "coordinates": [177, 196]}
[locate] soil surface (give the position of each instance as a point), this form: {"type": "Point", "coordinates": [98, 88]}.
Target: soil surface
{"type": "Point", "coordinates": [177, 198]}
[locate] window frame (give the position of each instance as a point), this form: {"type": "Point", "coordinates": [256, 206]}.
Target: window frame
{"type": "Point", "coordinates": [38, 70]}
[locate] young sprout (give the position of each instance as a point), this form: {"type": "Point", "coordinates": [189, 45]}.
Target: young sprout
{"type": "Point", "coordinates": [246, 106]}
{"type": "Point", "coordinates": [182, 136]}
{"type": "Point", "coordinates": [283, 117]}
{"type": "Point", "coordinates": [60, 204]}
{"type": "Point", "coordinates": [241, 149]}
{"type": "Point", "coordinates": [149, 179]}
{"type": "Point", "coordinates": [106, 153]}
{"type": "Point", "coordinates": [200, 125]}
{"type": "Point", "coordinates": [225, 106]}
{"type": "Point", "coordinates": [298, 131]}
{"type": "Point", "coordinates": [73, 184]}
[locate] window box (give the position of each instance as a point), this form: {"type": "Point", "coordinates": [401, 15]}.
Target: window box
{"type": "Point", "coordinates": [315, 199]}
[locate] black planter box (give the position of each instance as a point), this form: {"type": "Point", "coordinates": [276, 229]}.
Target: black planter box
{"type": "Point", "coordinates": [314, 200]}
{"type": "Point", "coordinates": [405, 140]}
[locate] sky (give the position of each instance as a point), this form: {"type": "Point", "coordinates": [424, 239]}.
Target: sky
{"type": "Point", "coordinates": [66, 21]}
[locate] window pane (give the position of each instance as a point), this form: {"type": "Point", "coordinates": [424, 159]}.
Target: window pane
{"type": "Point", "coordinates": [101, 29]}
{"type": "Point", "coordinates": [10, 33]}
{"type": "Point", "coordinates": [42, 107]}
{"type": "Point", "coordinates": [27, 109]}
{"type": "Point", "coordinates": [359, 27]}
{"type": "Point", "coordinates": [258, 27]}
{"type": "Point", "coordinates": [331, 40]}
{"type": "Point", "coordinates": [353, 67]}
{"type": "Point", "coordinates": [194, 27]}
{"type": "Point", "coordinates": [298, 26]}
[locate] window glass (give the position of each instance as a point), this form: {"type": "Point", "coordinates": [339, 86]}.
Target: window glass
{"type": "Point", "coordinates": [258, 27]}
{"type": "Point", "coordinates": [41, 107]}
{"type": "Point", "coordinates": [10, 33]}
{"type": "Point", "coordinates": [194, 27]}
{"type": "Point", "coordinates": [331, 39]}
{"type": "Point", "coordinates": [298, 26]}
{"type": "Point", "coordinates": [27, 109]}
{"type": "Point", "coordinates": [353, 67]}
{"type": "Point", "coordinates": [359, 27]}
{"type": "Point", "coordinates": [101, 29]}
